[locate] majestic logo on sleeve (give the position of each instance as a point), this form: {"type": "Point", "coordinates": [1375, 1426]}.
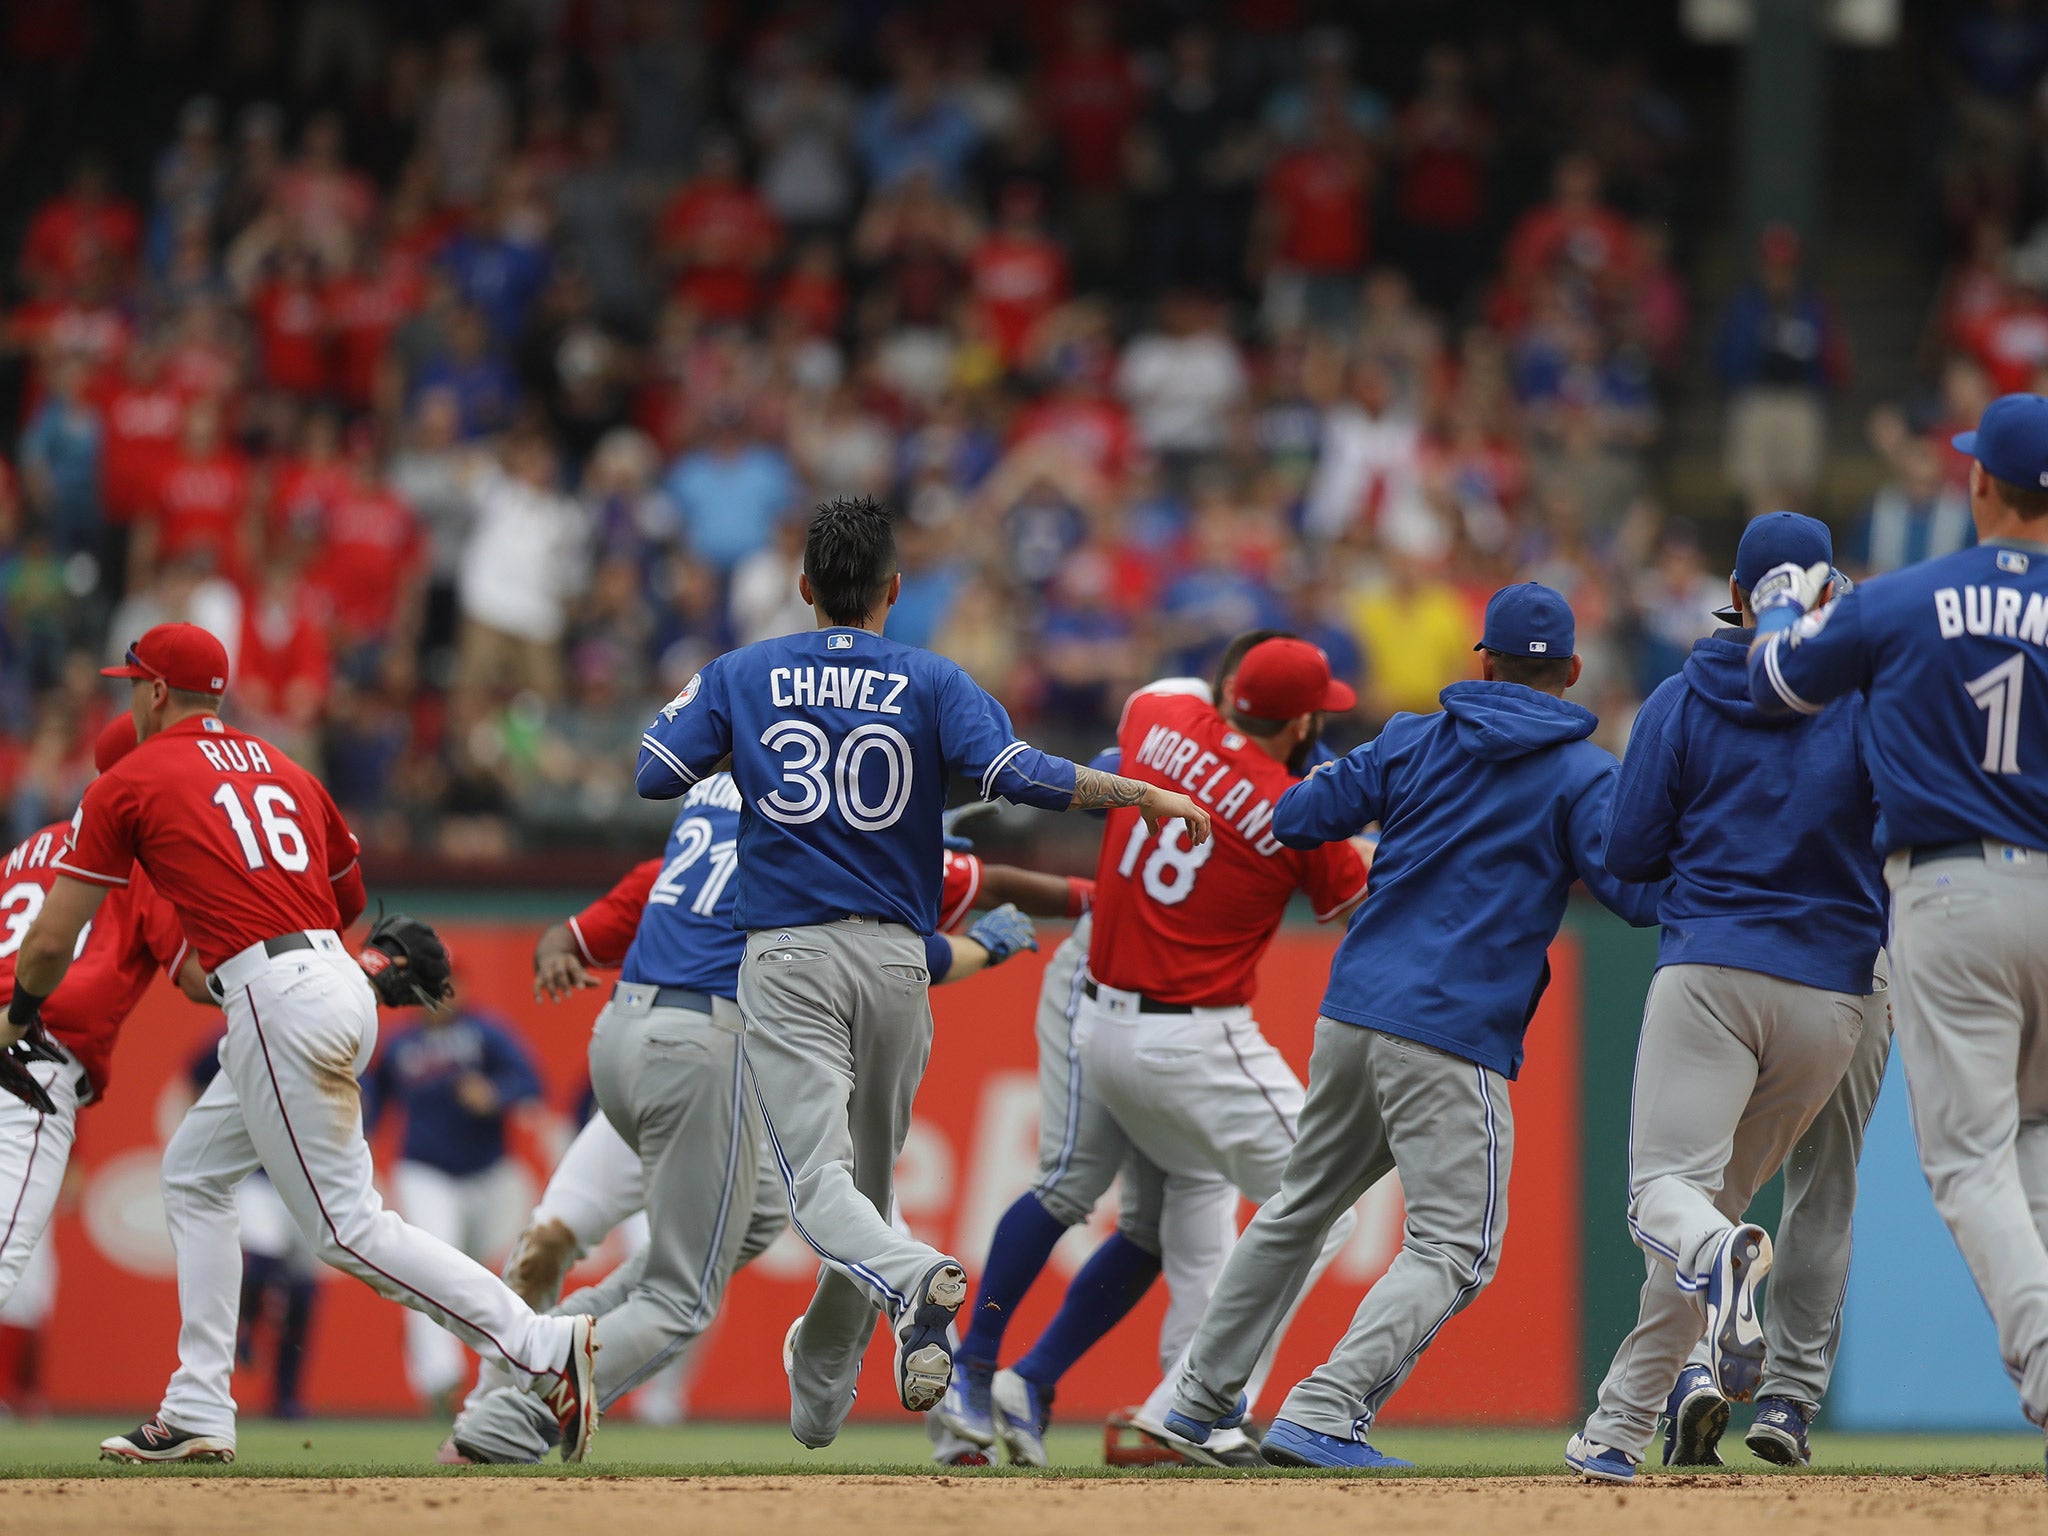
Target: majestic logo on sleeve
{"type": "Point", "coordinates": [681, 701]}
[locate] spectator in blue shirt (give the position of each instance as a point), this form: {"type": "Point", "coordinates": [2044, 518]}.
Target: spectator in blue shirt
{"type": "Point", "coordinates": [731, 492]}
{"type": "Point", "coordinates": [1916, 517]}
{"type": "Point", "coordinates": [500, 265]}
{"type": "Point", "coordinates": [485, 388]}
{"type": "Point", "coordinates": [913, 126]}
{"type": "Point", "coordinates": [60, 460]}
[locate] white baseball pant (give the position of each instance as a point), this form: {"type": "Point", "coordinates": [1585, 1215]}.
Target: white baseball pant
{"type": "Point", "coordinates": [34, 1149]}
{"type": "Point", "coordinates": [479, 1214]}
{"type": "Point", "coordinates": [301, 1026]}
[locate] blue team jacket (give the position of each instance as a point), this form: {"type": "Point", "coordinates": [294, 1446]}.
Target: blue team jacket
{"type": "Point", "coordinates": [1764, 825]}
{"type": "Point", "coordinates": [1488, 813]}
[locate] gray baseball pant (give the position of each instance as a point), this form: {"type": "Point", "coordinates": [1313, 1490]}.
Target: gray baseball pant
{"type": "Point", "coordinates": [1810, 1276]}
{"type": "Point", "coordinates": [1970, 996]}
{"type": "Point", "coordinates": [1375, 1103]}
{"type": "Point", "coordinates": [839, 1027]}
{"type": "Point", "coordinates": [1731, 1068]}
{"type": "Point", "coordinates": [672, 1082]}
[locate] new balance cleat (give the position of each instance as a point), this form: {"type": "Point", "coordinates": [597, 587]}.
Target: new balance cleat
{"type": "Point", "coordinates": [571, 1394]}
{"type": "Point", "coordinates": [155, 1441]}
{"type": "Point", "coordinates": [1289, 1444]}
{"type": "Point", "coordinates": [1021, 1410]}
{"type": "Point", "coordinates": [1599, 1463]}
{"type": "Point", "coordinates": [1778, 1433]}
{"type": "Point", "coordinates": [1695, 1418]}
{"type": "Point", "coordinates": [924, 1343]}
{"type": "Point", "coordinates": [1735, 1334]}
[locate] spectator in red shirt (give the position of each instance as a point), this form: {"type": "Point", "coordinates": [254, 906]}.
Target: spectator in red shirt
{"type": "Point", "coordinates": [1090, 96]}
{"type": "Point", "coordinates": [309, 482]}
{"type": "Point", "coordinates": [1311, 240]}
{"type": "Point", "coordinates": [84, 321]}
{"type": "Point", "coordinates": [1443, 141]}
{"type": "Point", "coordinates": [142, 411]}
{"type": "Point", "coordinates": [813, 289]}
{"type": "Point", "coordinates": [1575, 236]}
{"type": "Point", "coordinates": [282, 668]}
{"type": "Point", "coordinates": [329, 205]}
{"type": "Point", "coordinates": [364, 307]}
{"type": "Point", "coordinates": [84, 222]}
{"type": "Point", "coordinates": [290, 314]}
{"type": "Point", "coordinates": [369, 562]}
{"type": "Point", "coordinates": [204, 504]}
{"type": "Point", "coordinates": [1018, 274]}
{"type": "Point", "coordinates": [717, 235]}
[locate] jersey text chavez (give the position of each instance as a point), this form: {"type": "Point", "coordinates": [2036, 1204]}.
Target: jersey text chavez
{"type": "Point", "coordinates": [1201, 772]}
{"type": "Point", "coordinates": [839, 687]}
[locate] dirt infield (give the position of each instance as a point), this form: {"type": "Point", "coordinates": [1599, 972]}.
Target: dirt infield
{"type": "Point", "coordinates": [854, 1506]}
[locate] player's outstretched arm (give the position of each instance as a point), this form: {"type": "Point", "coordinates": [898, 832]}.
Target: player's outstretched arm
{"type": "Point", "coordinates": [46, 951]}
{"type": "Point", "coordinates": [1096, 790]}
{"type": "Point", "coordinates": [1033, 892]}
{"type": "Point", "coordinates": [558, 968]}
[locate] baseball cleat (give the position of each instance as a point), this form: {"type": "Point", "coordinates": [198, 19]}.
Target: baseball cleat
{"type": "Point", "coordinates": [965, 1409]}
{"type": "Point", "coordinates": [572, 1398]}
{"type": "Point", "coordinates": [449, 1454]}
{"type": "Point", "coordinates": [1289, 1444]}
{"type": "Point", "coordinates": [924, 1345]}
{"type": "Point", "coordinates": [1224, 1446]}
{"type": "Point", "coordinates": [154, 1440]}
{"type": "Point", "coordinates": [949, 1450]}
{"type": "Point", "coordinates": [1197, 1431]}
{"type": "Point", "coordinates": [1599, 1463]}
{"type": "Point", "coordinates": [1779, 1432]}
{"type": "Point", "coordinates": [1735, 1335]}
{"type": "Point", "coordinates": [1695, 1418]}
{"type": "Point", "coordinates": [1021, 1410]}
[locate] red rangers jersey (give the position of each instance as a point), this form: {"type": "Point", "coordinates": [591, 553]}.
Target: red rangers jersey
{"type": "Point", "coordinates": [1188, 924]}
{"type": "Point", "coordinates": [133, 933]}
{"type": "Point", "coordinates": [604, 930]}
{"type": "Point", "coordinates": [243, 842]}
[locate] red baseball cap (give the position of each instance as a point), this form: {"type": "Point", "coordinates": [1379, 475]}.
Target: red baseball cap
{"type": "Point", "coordinates": [182, 655]}
{"type": "Point", "coordinates": [1282, 678]}
{"type": "Point", "coordinates": [115, 742]}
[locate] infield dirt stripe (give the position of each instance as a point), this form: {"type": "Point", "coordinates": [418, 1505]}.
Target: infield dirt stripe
{"type": "Point", "coordinates": [770, 1506]}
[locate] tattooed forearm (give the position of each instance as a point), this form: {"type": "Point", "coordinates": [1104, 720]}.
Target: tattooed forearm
{"type": "Point", "coordinates": [1096, 790]}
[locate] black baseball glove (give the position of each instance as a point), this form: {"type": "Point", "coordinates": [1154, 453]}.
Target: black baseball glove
{"type": "Point", "coordinates": [15, 1076]}
{"type": "Point", "coordinates": [407, 963]}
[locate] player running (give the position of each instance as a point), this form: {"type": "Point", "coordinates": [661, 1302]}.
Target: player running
{"type": "Point", "coordinates": [841, 743]}
{"type": "Point", "coordinates": [50, 1076]}
{"type": "Point", "coordinates": [1163, 1032]}
{"type": "Point", "coordinates": [1771, 925]}
{"type": "Point", "coordinates": [1489, 812]}
{"type": "Point", "coordinates": [1951, 657]}
{"type": "Point", "coordinates": [249, 850]}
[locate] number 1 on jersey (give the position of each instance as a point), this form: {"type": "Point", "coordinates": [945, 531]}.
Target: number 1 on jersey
{"type": "Point", "coordinates": [1169, 876]}
{"type": "Point", "coordinates": [287, 842]}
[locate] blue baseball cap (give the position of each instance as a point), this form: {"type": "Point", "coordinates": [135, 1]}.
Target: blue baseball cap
{"type": "Point", "coordinates": [1528, 619]}
{"type": "Point", "coordinates": [1775, 539]}
{"type": "Point", "coordinates": [2011, 441]}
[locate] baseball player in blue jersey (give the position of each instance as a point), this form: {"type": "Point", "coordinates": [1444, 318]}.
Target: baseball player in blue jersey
{"type": "Point", "coordinates": [1489, 811]}
{"type": "Point", "coordinates": [1764, 988]}
{"type": "Point", "coordinates": [842, 743]}
{"type": "Point", "coordinates": [457, 1075]}
{"type": "Point", "coordinates": [1951, 657]}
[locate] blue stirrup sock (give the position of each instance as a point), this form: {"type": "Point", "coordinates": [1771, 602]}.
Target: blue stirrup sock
{"type": "Point", "coordinates": [1113, 1281]}
{"type": "Point", "coordinates": [1023, 1241]}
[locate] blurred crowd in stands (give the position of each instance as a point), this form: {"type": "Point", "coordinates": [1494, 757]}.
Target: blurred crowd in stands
{"type": "Point", "coordinates": [472, 377]}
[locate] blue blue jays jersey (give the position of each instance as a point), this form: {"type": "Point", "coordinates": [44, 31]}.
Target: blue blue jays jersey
{"type": "Point", "coordinates": [418, 1070]}
{"type": "Point", "coordinates": [842, 743]}
{"type": "Point", "coordinates": [686, 936]}
{"type": "Point", "coordinates": [1953, 657]}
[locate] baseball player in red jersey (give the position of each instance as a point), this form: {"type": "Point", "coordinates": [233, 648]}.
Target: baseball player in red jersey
{"type": "Point", "coordinates": [1164, 1028]}
{"type": "Point", "coordinates": [250, 851]}
{"type": "Point", "coordinates": [134, 933]}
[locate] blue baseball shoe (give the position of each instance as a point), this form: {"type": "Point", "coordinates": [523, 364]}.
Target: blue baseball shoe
{"type": "Point", "coordinates": [1735, 1335]}
{"type": "Point", "coordinates": [1021, 1411]}
{"type": "Point", "coordinates": [1779, 1432]}
{"type": "Point", "coordinates": [1695, 1418]}
{"type": "Point", "coordinates": [1599, 1463]}
{"type": "Point", "coordinates": [924, 1344]}
{"type": "Point", "coordinates": [965, 1407]}
{"type": "Point", "coordinates": [1188, 1427]}
{"type": "Point", "coordinates": [1288, 1444]}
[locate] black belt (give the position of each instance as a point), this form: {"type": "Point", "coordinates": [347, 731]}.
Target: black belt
{"type": "Point", "coordinates": [1145, 1004]}
{"type": "Point", "coordinates": [670, 997]}
{"type": "Point", "coordinates": [283, 944]}
{"type": "Point", "coordinates": [1936, 853]}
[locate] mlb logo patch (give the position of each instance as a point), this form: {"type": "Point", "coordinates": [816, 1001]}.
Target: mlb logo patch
{"type": "Point", "coordinates": [211, 723]}
{"type": "Point", "coordinates": [1538, 647]}
{"type": "Point", "coordinates": [839, 642]}
{"type": "Point", "coordinates": [2011, 561]}
{"type": "Point", "coordinates": [1232, 742]}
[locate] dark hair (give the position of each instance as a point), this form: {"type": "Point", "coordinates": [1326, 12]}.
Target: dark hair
{"type": "Point", "coordinates": [186, 698]}
{"type": "Point", "coordinates": [1551, 674]}
{"type": "Point", "coordinates": [850, 555]}
{"type": "Point", "coordinates": [1234, 654]}
{"type": "Point", "coordinates": [1252, 725]}
{"type": "Point", "coordinates": [2026, 500]}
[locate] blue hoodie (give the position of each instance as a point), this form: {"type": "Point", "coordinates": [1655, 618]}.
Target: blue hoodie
{"type": "Point", "coordinates": [1764, 823]}
{"type": "Point", "coordinates": [1488, 812]}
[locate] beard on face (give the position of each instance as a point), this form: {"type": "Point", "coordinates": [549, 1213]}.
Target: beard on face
{"type": "Point", "coordinates": [1297, 760]}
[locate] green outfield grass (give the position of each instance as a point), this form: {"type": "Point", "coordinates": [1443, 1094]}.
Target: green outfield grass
{"type": "Point", "coordinates": [388, 1447]}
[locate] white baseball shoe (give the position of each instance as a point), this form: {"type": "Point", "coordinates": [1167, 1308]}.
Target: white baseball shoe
{"type": "Point", "coordinates": [1735, 1334]}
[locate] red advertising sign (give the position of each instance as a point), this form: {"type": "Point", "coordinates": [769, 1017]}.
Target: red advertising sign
{"type": "Point", "coordinates": [1512, 1357]}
